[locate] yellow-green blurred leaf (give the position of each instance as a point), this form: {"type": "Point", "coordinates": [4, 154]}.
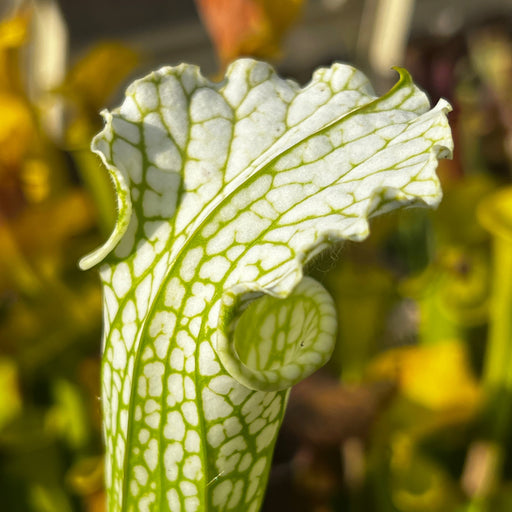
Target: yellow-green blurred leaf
{"type": "Point", "coordinates": [419, 484]}
{"type": "Point", "coordinates": [437, 377]}
{"type": "Point", "coordinates": [93, 79]}
{"type": "Point", "coordinates": [455, 221]}
{"type": "Point", "coordinates": [452, 294]}
{"type": "Point", "coordinates": [495, 213]}
{"type": "Point", "coordinates": [62, 218]}
{"type": "Point", "coordinates": [13, 34]}
{"type": "Point", "coordinates": [10, 398]}
{"type": "Point", "coordinates": [68, 419]}
{"type": "Point", "coordinates": [86, 476]}
{"type": "Point", "coordinates": [16, 131]}
{"type": "Point", "coordinates": [49, 499]}
{"type": "Point", "coordinates": [36, 180]}
{"type": "Point", "coordinates": [13, 31]}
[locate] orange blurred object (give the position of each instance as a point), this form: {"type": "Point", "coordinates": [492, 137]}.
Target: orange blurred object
{"type": "Point", "coordinates": [248, 27]}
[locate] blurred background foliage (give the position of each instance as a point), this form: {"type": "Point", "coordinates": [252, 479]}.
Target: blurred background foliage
{"type": "Point", "coordinates": [414, 412]}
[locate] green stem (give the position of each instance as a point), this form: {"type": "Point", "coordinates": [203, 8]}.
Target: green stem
{"type": "Point", "coordinates": [498, 370]}
{"type": "Point", "coordinates": [495, 215]}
